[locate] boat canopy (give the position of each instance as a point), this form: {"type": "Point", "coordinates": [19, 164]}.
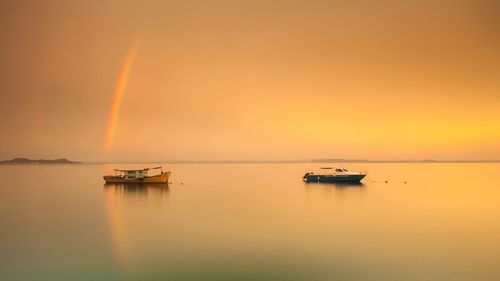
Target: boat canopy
{"type": "Point", "coordinates": [335, 169]}
{"type": "Point", "coordinates": [135, 170]}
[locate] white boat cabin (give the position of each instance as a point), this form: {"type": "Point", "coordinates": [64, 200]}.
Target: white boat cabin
{"type": "Point", "coordinates": [333, 170]}
{"type": "Point", "coordinates": [132, 174]}
{"type": "Point", "coordinates": [135, 174]}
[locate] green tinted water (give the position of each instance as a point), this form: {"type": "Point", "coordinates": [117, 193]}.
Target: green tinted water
{"type": "Point", "coordinates": [251, 222]}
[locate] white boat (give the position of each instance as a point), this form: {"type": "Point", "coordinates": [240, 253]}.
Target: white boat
{"type": "Point", "coordinates": [332, 174]}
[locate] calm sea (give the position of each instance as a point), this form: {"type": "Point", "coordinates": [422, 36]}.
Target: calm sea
{"type": "Point", "coordinates": [251, 222]}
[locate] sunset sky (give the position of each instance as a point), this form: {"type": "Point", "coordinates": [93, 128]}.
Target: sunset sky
{"type": "Point", "coordinates": [250, 80]}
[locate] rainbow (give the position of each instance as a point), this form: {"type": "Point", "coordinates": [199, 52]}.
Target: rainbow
{"type": "Point", "coordinates": [118, 91]}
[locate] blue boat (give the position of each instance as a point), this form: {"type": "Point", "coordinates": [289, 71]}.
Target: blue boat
{"type": "Point", "coordinates": [330, 174]}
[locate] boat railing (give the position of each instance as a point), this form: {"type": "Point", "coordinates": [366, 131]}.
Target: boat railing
{"type": "Point", "coordinates": [333, 172]}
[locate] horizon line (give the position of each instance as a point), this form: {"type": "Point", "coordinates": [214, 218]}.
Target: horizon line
{"type": "Point", "coordinates": [287, 161]}
{"type": "Point", "coordinates": [315, 160]}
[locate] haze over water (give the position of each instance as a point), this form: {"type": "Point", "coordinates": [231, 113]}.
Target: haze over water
{"type": "Point", "coordinates": [251, 221]}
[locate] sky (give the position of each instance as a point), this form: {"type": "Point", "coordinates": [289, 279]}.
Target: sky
{"type": "Point", "coordinates": [188, 80]}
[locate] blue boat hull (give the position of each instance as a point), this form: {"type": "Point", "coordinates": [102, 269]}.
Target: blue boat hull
{"type": "Point", "coordinates": [333, 178]}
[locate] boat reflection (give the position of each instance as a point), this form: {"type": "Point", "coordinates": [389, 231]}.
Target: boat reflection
{"type": "Point", "coordinates": [120, 200]}
{"type": "Point", "coordinates": [339, 185]}
{"type": "Point", "coordinates": [338, 190]}
{"type": "Point", "coordinates": [138, 190]}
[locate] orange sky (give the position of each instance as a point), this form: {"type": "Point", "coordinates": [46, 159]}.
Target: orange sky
{"type": "Point", "coordinates": [241, 80]}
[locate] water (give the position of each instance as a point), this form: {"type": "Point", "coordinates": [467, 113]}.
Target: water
{"type": "Point", "coordinates": [251, 222]}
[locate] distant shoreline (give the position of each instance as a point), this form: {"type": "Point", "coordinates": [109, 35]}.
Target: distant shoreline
{"type": "Point", "coordinates": [24, 161]}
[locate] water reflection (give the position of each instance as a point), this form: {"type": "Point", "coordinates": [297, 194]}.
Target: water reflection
{"type": "Point", "coordinates": [338, 190]}
{"type": "Point", "coordinates": [152, 193]}
{"type": "Point", "coordinates": [336, 184]}
{"type": "Point", "coordinates": [119, 199]}
{"type": "Point", "coordinates": [138, 189]}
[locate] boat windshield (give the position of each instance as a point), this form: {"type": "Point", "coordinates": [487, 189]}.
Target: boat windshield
{"type": "Point", "coordinates": [338, 170]}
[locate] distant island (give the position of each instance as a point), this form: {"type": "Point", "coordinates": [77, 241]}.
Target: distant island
{"type": "Point", "coordinates": [20, 160]}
